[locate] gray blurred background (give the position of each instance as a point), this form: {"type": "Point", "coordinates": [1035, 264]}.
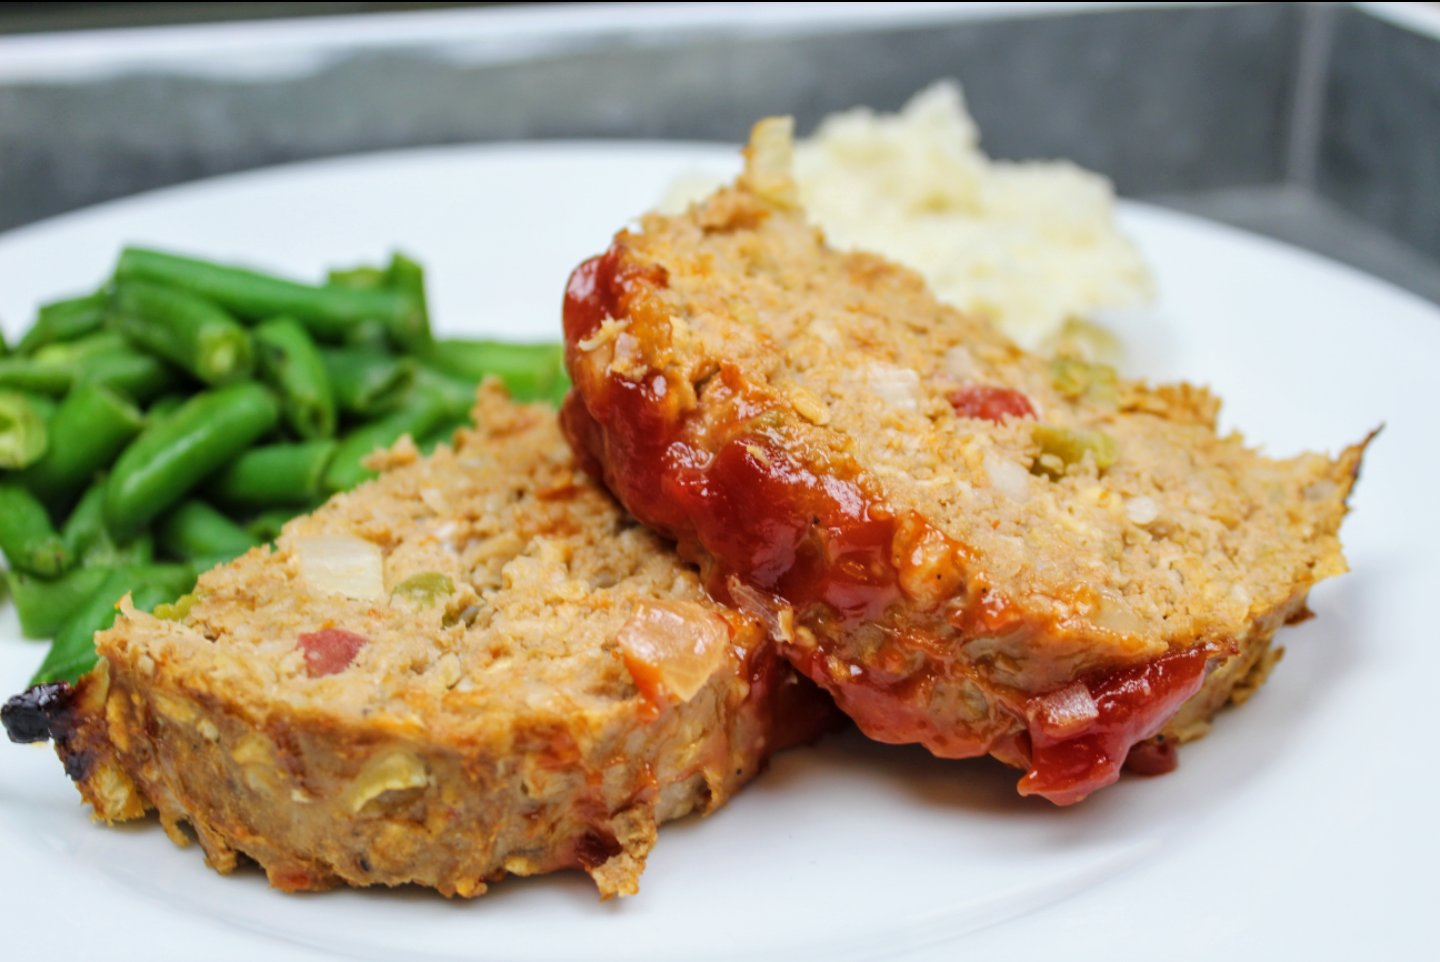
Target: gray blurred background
{"type": "Point", "coordinates": [1316, 123]}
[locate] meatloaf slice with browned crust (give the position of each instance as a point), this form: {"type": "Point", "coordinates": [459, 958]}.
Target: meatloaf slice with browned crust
{"type": "Point", "coordinates": [972, 547]}
{"type": "Point", "coordinates": [476, 664]}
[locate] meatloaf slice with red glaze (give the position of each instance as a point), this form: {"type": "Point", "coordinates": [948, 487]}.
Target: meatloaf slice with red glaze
{"type": "Point", "coordinates": [970, 546]}
{"type": "Point", "coordinates": [477, 664]}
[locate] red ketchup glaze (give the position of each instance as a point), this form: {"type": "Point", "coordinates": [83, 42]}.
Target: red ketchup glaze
{"type": "Point", "coordinates": [989, 402]}
{"type": "Point", "coordinates": [784, 530]}
{"type": "Point", "coordinates": [759, 514]}
{"type": "Point", "coordinates": [330, 650]}
{"type": "Point", "coordinates": [589, 299]}
{"type": "Point", "coordinates": [816, 540]}
{"type": "Point", "coordinates": [1132, 704]}
{"type": "Point", "coordinates": [792, 709]}
{"type": "Point", "coordinates": [1154, 756]}
{"type": "Point", "coordinates": [895, 713]}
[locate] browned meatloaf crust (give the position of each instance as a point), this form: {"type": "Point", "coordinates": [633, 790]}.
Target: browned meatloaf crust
{"type": "Point", "coordinates": [970, 546]}
{"type": "Point", "coordinates": [486, 720]}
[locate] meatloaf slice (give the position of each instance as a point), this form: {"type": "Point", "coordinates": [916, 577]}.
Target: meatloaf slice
{"type": "Point", "coordinates": [476, 664]}
{"type": "Point", "coordinates": [970, 546]}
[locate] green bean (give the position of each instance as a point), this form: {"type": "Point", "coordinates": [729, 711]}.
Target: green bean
{"type": "Point", "coordinates": [459, 398]}
{"type": "Point", "coordinates": [359, 278]}
{"type": "Point", "coordinates": [403, 275]}
{"type": "Point", "coordinates": [367, 383]}
{"type": "Point", "coordinates": [369, 336]}
{"type": "Point", "coordinates": [161, 584]}
{"type": "Point", "coordinates": [73, 652]}
{"type": "Point", "coordinates": [90, 428]}
{"type": "Point", "coordinates": [139, 550]}
{"type": "Point", "coordinates": [412, 333]}
{"type": "Point", "coordinates": [136, 375]}
{"type": "Point", "coordinates": [89, 542]}
{"type": "Point", "coordinates": [164, 406]}
{"type": "Point", "coordinates": [530, 371]}
{"type": "Point", "coordinates": [42, 405]}
{"type": "Point", "coordinates": [27, 537]}
{"type": "Point", "coordinates": [422, 414]}
{"type": "Point", "coordinates": [458, 393]}
{"type": "Point", "coordinates": [187, 330]}
{"type": "Point", "coordinates": [44, 604]}
{"type": "Point", "coordinates": [71, 353]}
{"type": "Point", "coordinates": [558, 389]}
{"type": "Point", "coordinates": [275, 474]}
{"type": "Point", "coordinates": [204, 563]}
{"type": "Point", "coordinates": [27, 374]}
{"type": "Point", "coordinates": [174, 455]}
{"type": "Point", "coordinates": [64, 320]}
{"type": "Point", "coordinates": [444, 434]}
{"type": "Point", "coordinates": [171, 580]}
{"type": "Point", "coordinates": [193, 529]}
{"type": "Point", "coordinates": [291, 364]}
{"type": "Point", "coordinates": [85, 528]}
{"type": "Point", "coordinates": [23, 435]}
{"type": "Point", "coordinates": [327, 312]}
{"type": "Point", "coordinates": [105, 357]}
{"type": "Point", "coordinates": [266, 525]}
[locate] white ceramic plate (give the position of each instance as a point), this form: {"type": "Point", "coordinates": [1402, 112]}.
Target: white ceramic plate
{"type": "Point", "coordinates": [1302, 826]}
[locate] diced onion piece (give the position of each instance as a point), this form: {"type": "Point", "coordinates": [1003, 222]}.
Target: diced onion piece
{"type": "Point", "coordinates": [777, 617]}
{"type": "Point", "coordinates": [769, 160]}
{"type": "Point", "coordinates": [825, 332]}
{"type": "Point", "coordinates": [672, 648]}
{"type": "Point", "coordinates": [960, 364]}
{"type": "Point", "coordinates": [1115, 613]}
{"type": "Point", "coordinates": [1007, 477]}
{"type": "Point", "coordinates": [394, 772]}
{"type": "Point", "coordinates": [898, 387]}
{"type": "Point", "coordinates": [342, 564]}
{"type": "Point", "coordinates": [1063, 713]}
{"type": "Point", "coordinates": [1141, 509]}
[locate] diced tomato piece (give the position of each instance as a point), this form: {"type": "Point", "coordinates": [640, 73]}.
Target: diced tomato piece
{"type": "Point", "coordinates": [989, 402]}
{"type": "Point", "coordinates": [330, 650]}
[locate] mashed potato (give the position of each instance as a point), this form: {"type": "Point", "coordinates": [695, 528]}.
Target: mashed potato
{"type": "Point", "coordinates": [1033, 245]}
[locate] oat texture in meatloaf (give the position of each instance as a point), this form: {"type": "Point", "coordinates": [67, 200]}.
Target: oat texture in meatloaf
{"type": "Point", "coordinates": [971, 546]}
{"type": "Point", "coordinates": [475, 665]}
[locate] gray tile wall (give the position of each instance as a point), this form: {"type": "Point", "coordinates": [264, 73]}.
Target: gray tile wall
{"type": "Point", "coordinates": [1162, 100]}
{"type": "Point", "coordinates": [1316, 123]}
{"type": "Point", "coordinates": [1379, 154]}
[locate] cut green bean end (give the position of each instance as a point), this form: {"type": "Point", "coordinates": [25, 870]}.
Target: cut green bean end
{"type": "Point", "coordinates": [23, 437]}
{"type": "Point", "coordinates": [224, 356]}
